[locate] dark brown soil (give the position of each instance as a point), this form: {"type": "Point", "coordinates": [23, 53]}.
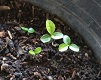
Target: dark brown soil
{"type": "Point", "coordinates": [17, 64]}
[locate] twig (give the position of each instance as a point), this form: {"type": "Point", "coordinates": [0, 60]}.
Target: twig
{"type": "Point", "coordinates": [9, 33]}
{"type": "Point", "coordinates": [99, 74]}
{"type": "Point", "coordinates": [11, 56]}
{"type": "Point", "coordinates": [33, 11]}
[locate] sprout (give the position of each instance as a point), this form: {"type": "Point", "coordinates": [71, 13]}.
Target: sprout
{"type": "Point", "coordinates": [67, 44]}
{"type": "Point", "coordinates": [50, 26]}
{"type": "Point", "coordinates": [29, 30]}
{"type": "Point", "coordinates": [35, 51]}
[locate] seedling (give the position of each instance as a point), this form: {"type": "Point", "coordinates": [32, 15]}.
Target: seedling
{"type": "Point", "coordinates": [67, 44]}
{"type": "Point", "coordinates": [50, 26]}
{"type": "Point", "coordinates": [29, 30]}
{"type": "Point", "coordinates": [35, 51]}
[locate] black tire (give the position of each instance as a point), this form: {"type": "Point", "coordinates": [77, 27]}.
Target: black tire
{"type": "Point", "coordinates": [83, 16]}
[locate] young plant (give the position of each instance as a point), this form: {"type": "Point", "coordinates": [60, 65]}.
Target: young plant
{"type": "Point", "coordinates": [29, 30]}
{"type": "Point", "coordinates": [35, 51]}
{"type": "Point", "coordinates": [50, 26]}
{"type": "Point", "coordinates": [67, 44]}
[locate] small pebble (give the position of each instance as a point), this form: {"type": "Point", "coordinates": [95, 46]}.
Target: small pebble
{"type": "Point", "coordinates": [18, 28]}
{"type": "Point", "coordinates": [49, 78]}
{"type": "Point", "coordinates": [3, 66]}
{"type": "Point", "coordinates": [18, 74]}
{"type": "Point", "coordinates": [86, 54]}
{"type": "Point", "coordinates": [4, 58]}
{"type": "Point", "coordinates": [37, 74]}
{"type": "Point", "coordinates": [10, 43]}
{"type": "Point", "coordinates": [24, 79]}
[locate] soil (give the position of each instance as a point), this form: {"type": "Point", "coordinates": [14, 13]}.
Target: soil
{"type": "Point", "coordinates": [17, 64]}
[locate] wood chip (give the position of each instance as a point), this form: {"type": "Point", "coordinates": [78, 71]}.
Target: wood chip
{"type": "Point", "coordinates": [73, 74]}
{"type": "Point", "coordinates": [12, 78]}
{"type": "Point", "coordinates": [55, 44]}
{"type": "Point", "coordinates": [34, 41]}
{"type": "Point", "coordinates": [2, 33]}
{"type": "Point", "coordinates": [4, 8]}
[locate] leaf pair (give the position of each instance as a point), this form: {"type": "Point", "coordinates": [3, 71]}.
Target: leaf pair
{"type": "Point", "coordinates": [35, 51]}
{"type": "Point", "coordinates": [67, 44]}
{"type": "Point", "coordinates": [29, 30]}
{"type": "Point", "coordinates": [50, 26]}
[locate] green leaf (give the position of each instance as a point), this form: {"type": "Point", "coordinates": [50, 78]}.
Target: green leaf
{"type": "Point", "coordinates": [24, 28]}
{"type": "Point", "coordinates": [31, 30]}
{"type": "Point", "coordinates": [74, 47]}
{"type": "Point", "coordinates": [31, 52]}
{"type": "Point", "coordinates": [37, 50]}
{"type": "Point", "coordinates": [66, 39]}
{"type": "Point", "coordinates": [57, 35]}
{"type": "Point", "coordinates": [63, 47]}
{"type": "Point", "coordinates": [45, 38]}
{"type": "Point", "coordinates": [50, 26]}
